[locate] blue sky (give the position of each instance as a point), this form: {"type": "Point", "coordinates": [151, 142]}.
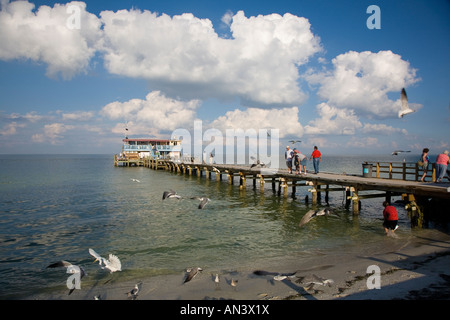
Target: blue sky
{"type": "Point", "coordinates": [311, 69]}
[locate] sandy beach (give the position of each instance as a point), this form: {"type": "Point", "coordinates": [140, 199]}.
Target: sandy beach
{"type": "Point", "coordinates": [405, 267]}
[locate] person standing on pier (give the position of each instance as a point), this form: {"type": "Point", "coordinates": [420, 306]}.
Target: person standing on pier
{"type": "Point", "coordinates": [301, 160]}
{"type": "Point", "coordinates": [442, 162]}
{"type": "Point", "coordinates": [288, 156]}
{"type": "Point", "coordinates": [316, 156]}
{"type": "Point", "coordinates": [390, 217]}
{"type": "Point", "coordinates": [425, 160]}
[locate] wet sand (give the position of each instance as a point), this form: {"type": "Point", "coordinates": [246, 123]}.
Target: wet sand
{"type": "Point", "coordinates": [410, 267]}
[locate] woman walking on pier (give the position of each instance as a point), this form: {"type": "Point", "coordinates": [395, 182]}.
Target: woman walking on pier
{"type": "Point", "coordinates": [316, 156]}
{"type": "Point", "coordinates": [425, 159]}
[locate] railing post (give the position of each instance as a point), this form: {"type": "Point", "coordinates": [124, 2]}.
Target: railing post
{"type": "Point", "coordinates": [390, 170]}
{"type": "Point", "coordinates": [404, 170]}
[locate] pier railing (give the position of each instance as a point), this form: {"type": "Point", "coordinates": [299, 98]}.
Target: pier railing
{"type": "Point", "coordinates": [410, 171]}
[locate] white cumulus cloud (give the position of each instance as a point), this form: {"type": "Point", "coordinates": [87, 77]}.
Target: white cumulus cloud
{"type": "Point", "coordinates": [285, 120]}
{"type": "Point", "coordinates": [154, 113]}
{"type": "Point", "coordinates": [44, 35]}
{"type": "Point", "coordinates": [333, 120]}
{"type": "Point", "coordinates": [184, 55]}
{"type": "Point", "coordinates": [363, 80]}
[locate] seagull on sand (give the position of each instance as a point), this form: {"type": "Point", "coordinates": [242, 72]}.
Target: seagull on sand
{"type": "Point", "coordinates": [396, 152]}
{"type": "Point", "coordinates": [71, 268]}
{"type": "Point", "coordinates": [276, 275]}
{"type": "Point", "coordinates": [134, 292]}
{"type": "Point", "coordinates": [216, 280]}
{"type": "Point", "coordinates": [312, 214]}
{"type": "Point", "coordinates": [113, 264]}
{"type": "Point", "coordinates": [319, 281]}
{"type": "Point", "coordinates": [405, 107]}
{"type": "Point", "coordinates": [191, 273]}
{"type": "Point", "coordinates": [234, 283]}
{"type": "Point", "coordinates": [170, 194]}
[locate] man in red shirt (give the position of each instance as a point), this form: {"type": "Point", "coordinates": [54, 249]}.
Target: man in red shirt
{"type": "Point", "coordinates": [316, 156]}
{"type": "Point", "coordinates": [390, 217]}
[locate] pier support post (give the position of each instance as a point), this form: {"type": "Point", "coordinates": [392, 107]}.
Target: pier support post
{"type": "Point", "coordinates": [415, 212]}
{"type": "Point", "coordinates": [348, 196]}
{"type": "Point", "coordinates": [283, 184]}
{"type": "Point", "coordinates": [261, 183]}
{"type": "Point", "coordinates": [294, 188]}
{"type": "Point", "coordinates": [355, 200]}
{"type": "Point", "coordinates": [230, 178]}
{"type": "Point", "coordinates": [242, 182]}
{"type": "Point", "coordinates": [313, 191]}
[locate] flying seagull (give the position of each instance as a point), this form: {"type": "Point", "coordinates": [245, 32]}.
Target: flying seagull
{"type": "Point", "coordinates": [405, 107]}
{"type": "Point", "coordinates": [135, 180]}
{"type": "Point", "coordinates": [113, 264]}
{"type": "Point", "coordinates": [294, 141]}
{"type": "Point", "coordinates": [203, 201]}
{"type": "Point", "coordinates": [191, 273]}
{"type": "Point", "coordinates": [216, 170]}
{"type": "Point", "coordinates": [396, 152]}
{"type": "Point", "coordinates": [71, 268]}
{"type": "Point", "coordinates": [170, 194]}
{"type": "Point", "coordinates": [312, 214]}
{"type": "Point", "coordinates": [258, 164]}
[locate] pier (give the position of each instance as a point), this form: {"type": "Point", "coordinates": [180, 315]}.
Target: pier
{"type": "Point", "coordinates": [383, 180]}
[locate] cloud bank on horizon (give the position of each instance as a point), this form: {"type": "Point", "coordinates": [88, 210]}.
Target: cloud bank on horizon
{"type": "Point", "coordinates": [265, 63]}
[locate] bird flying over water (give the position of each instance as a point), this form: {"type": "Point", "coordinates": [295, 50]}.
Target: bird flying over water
{"type": "Point", "coordinates": [258, 164]}
{"type": "Point", "coordinates": [203, 201]}
{"type": "Point", "coordinates": [216, 170]}
{"type": "Point", "coordinates": [396, 152]}
{"type": "Point", "coordinates": [170, 194]}
{"type": "Point", "coordinates": [294, 141]}
{"type": "Point", "coordinates": [405, 106]}
{"type": "Point", "coordinates": [113, 264]}
{"type": "Point", "coordinates": [135, 180]}
{"type": "Point", "coordinates": [71, 268]}
{"type": "Point", "coordinates": [312, 214]}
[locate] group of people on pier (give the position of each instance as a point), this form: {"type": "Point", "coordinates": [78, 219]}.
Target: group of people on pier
{"type": "Point", "coordinates": [294, 158]}
{"type": "Point", "coordinates": [442, 161]}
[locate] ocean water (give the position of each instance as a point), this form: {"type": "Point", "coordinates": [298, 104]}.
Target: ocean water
{"type": "Point", "coordinates": [56, 207]}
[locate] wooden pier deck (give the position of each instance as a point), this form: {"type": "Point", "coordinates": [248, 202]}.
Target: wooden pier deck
{"type": "Point", "coordinates": [356, 187]}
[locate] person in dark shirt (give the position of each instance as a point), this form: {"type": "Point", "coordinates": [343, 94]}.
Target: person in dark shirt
{"type": "Point", "coordinates": [390, 217]}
